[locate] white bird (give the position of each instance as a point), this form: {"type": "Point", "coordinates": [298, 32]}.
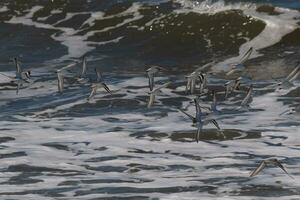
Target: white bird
{"type": "Point", "coordinates": [191, 82]}
{"type": "Point", "coordinates": [155, 92]}
{"type": "Point", "coordinates": [240, 65]}
{"type": "Point", "coordinates": [232, 86]}
{"type": "Point", "coordinates": [97, 86]}
{"type": "Point", "coordinates": [200, 119]}
{"type": "Point", "coordinates": [151, 73]}
{"type": "Point", "coordinates": [288, 81]}
{"type": "Point", "coordinates": [291, 111]}
{"type": "Point", "coordinates": [265, 163]}
{"type": "Point", "coordinates": [67, 67]}
{"type": "Point", "coordinates": [197, 75]}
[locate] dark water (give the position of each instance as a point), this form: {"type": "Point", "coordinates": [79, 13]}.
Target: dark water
{"type": "Point", "coordinates": [60, 146]}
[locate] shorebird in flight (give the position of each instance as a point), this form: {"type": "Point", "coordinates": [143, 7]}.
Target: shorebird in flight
{"type": "Point", "coordinates": [288, 81]}
{"type": "Point", "coordinates": [95, 87]}
{"type": "Point", "coordinates": [240, 65]}
{"type": "Point", "coordinates": [232, 86]}
{"type": "Point", "coordinates": [200, 120]}
{"type": "Point", "coordinates": [291, 111]}
{"type": "Point", "coordinates": [197, 75]}
{"type": "Point", "coordinates": [266, 163]}
{"type": "Point", "coordinates": [151, 73]}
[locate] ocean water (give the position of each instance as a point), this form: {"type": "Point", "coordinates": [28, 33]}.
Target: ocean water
{"type": "Point", "coordinates": [61, 146]}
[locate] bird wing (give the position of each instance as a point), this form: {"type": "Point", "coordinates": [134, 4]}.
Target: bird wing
{"type": "Point", "coordinates": [83, 67]}
{"type": "Point", "coordinates": [151, 100]}
{"type": "Point", "coordinates": [202, 68]}
{"type": "Point", "coordinates": [215, 123]}
{"type": "Point", "coordinates": [106, 88]}
{"type": "Point", "coordinates": [198, 110]}
{"type": "Point", "coordinates": [18, 68]}
{"type": "Point", "coordinates": [214, 102]}
{"type": "Point", "coordinates": [231, 72]}
{"type": "Point", "coordinates": [68, 66]}
{"type": "Point", "coordinates": [161, 68]}
{"type": "Point", "coordinates": [18, 86]}
{"type": "Point", "coordinates": [199, 130]}
{"type": "Point", "coordinates": [261, 166]}
{"type": "Point", "coordinates": [248, 96]}
{"type": "Point", "coordinates": [163, 86]}
{"type": "Point", "coordinates": [93, 92]}
{"type": "Point", "coordinates": [295, 76]}
{"type": "Point", "coordinates": [99, 76]}
{"type": "Point", "coordinates": [151, 81]}
{"type": "Point", "coordinates": [246, 56]}
{"type": "Point", "coordinates": [278, 164]}
{"type": "Point", "coordinates": [188, 84]}
{"type": "Point", "coordinates": [293, 73]}
{"type": "Point", "coordinates": [187, 114]}
{"type": "Point", "coordinates": [60, 79]}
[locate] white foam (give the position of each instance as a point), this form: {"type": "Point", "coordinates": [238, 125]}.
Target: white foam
{"type": "Point", "coordinates": [276, 27]}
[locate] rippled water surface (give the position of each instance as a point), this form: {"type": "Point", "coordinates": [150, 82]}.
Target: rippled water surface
{"type": "Point", "coordinates": [62, 146]}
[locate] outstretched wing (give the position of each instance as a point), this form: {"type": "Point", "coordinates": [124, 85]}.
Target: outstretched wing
{"type": "Point", "coordinates": [295, 76]}
{"type": "Point", "coordinates": [187, 114]}
{"type": "Point", "coordinates": [248, 96]}
{"type": "Point", "coordinates": [293, 73]}
{"type": "Point", "coordinates": [278, 164]}
{"type": "Point", "coordinates": [246, 56]}
{"type": "Point", "coordinates": [151, 81]}
{"type": "Point", "coordinates": [99, 76]}
{"type": "Point", "coordinates": [163, 86]}
{"type": "Point", "coordinates": [214, 102]}
{"type": "Point", "coordinates": [84, 67]}
{"type": "Point", "coordinates": [215, 123]}
{"type": "Point", "coordinates": [93, 92]}
{"type": "Point", "coordinates": [202, 68]}
{"type": "Point", "coordinates": [106, 88]}
{"type": "Point", "coordinates": [18, 68]}
{"type": "Point", "coordinates": [151, 100]}
{"type": "Point", "coordinates": [199, 130]}
{"type": "Point", "coordinates": [60, 79]}
{"type": "Point", "coordinates": [261, 166]}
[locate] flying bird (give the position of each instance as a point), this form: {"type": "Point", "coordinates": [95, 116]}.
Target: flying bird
{"type": "Point", "coordinates": [266, 163]}
{"type": "Point", "coordinates": [151, 73]}
{"type": "Point", "coordinates": [97, 86]}
{"type": "Point", "coordinates": [200, 119]}
{"type": "Point", "coordinates": [240, 65]}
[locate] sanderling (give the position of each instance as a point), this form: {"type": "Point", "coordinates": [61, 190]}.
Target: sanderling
{"type": "Point", "coordinates": [291, 111]}
{"type": "Point", "coordinates": [154, 92]}
{"type": "Point", "coordinates": [151, 73]}
{"type": "Point", "coordinates": [267, 162]}
{"type": "Point", "coordinates": [19, 73]}
{"type": "Point", "coordinates": [232, 86]}
{"type": "Point", "coordinates": [200, 119]}
{"type": "Point", "coordinates": [197, 75]}
{"type": "Point", "coordinates": [240, 65]}
{"type": "Point", "coordinates": [95, 87]}
{"type": "Point", "coordinates": [288, 81]}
